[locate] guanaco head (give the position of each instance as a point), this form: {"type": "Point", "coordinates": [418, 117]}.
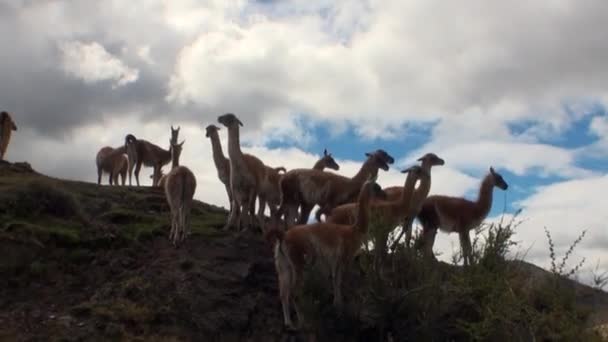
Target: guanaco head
{"type": "Point", "coordinates": [5, 116]}
{"type": "Point", "coordinates": [384, 155]}
{"type": "Point", "coordinates": [499, 182]}
{"type": "Point", "coordinates": [129, 139]}
{"type": "Point", "coordinates": [329, 162]}
{"type": "Point", "coordinates": [176, 151]}
{"type": "Point", "coordinates": [431, 159]}
{"type": "Point", "coordinates": [381, 159]}
{"type": "Point", "coordinates": [174, 134]}
{"type": "Point", "coordinates": [229, 120]}
{"type": "Point", "coordinates": [211, 129]}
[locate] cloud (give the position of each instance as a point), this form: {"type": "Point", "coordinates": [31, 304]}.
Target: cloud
{"type": "Point", "coordinates": [92, 63]}
{"type": "Point", "coordinates": [566, 209]}
{"type": "Point", "coordinates": [519, 158]}
{"type": "Point", "coordinates": [400, 66]}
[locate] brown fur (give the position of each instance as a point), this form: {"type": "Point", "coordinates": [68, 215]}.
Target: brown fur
{"type": "Point", "coordinates": [180, 186]}
{"type": "Point", "coordinates": [307, 188]}
{"type": "Point", "coordinates": [269, 193]}
{"type": "Point", "coordinates": [426, 162]}
{"type": "Point", "coordinates": [334, 244]}
{"type": "Point", "coordinates": [142, 152]}
{"type": "Point", "coordinates": [161, 180]}
{"type": "Point", "coordinates": [326, 161]}
{"type": "Point", "coordinates": [222, 164]}
{"type": "Point", "coordinates": [389, 213]}
{"type": "Point", "coordinates": [114, 161]}
{"type": "Point", "coordinates": [456, 214]}
{"type": "Point", "coordinates": [246, 175]}
{"type": "Point", "coordinates": [7, 126]}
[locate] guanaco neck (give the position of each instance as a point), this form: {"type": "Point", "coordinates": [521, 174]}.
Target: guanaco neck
{"type": "Point", "coordinates": [408, 191]}
{"type": "Point", "coordinates": [368, 168]}
{"type": "Point", "coordinates": [421, 192]}
{"type": "Point", "coordinates": [426, 165]}
{"type": "Point", "coordinates": [216, 147]}
{"type": "Point", "coordinates": [319, 165]}
{"type": "Point", "coordinates": [484, 199]}
{"type": "Point", "coordinates": [234, 143]}
{"type": "Point", "coordinates": [362, 221]}
{"type": "Point", "coordinates": [166, 155]}
{"type": "Point", "coordinates": [175, 162]}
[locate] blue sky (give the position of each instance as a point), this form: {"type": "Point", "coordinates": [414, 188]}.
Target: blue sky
{"type": "Point", "coordinates": [520, 87]}
{"type": "Point", "coordinates": [348, 144]}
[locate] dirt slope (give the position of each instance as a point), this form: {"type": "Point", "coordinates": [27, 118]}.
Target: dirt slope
{"type": "Point", "coordinates": [93, 263]}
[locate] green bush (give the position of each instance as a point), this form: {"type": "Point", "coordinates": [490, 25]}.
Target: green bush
{"type": "Point", "coordinates": [44, 198]}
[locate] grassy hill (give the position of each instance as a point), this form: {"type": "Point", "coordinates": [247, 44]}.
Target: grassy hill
{"type": "Point", "coordinates": [85, 262]}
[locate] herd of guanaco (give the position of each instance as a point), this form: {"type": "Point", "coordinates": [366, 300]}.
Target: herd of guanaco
{"type": "Point", "coordinates": [348, 204]}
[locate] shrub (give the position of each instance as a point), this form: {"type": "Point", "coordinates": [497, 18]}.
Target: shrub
{"type": "Point", "coordinates": [44, 198]}
{"type": "Point", "coordinates": [411, 298]}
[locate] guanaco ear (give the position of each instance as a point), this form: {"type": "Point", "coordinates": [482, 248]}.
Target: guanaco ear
{"type": "Point", "coordinates": [367, 154]}
{"type": "Point", "coordinates": [325, 152]}
{"type": "Point", "coordinates": [491, 170]}
{"type": "Point", "coordinates": [182, 143]}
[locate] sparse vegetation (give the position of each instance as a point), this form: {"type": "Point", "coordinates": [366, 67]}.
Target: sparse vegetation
{"type": "Point", "coordinates": [497, 298]}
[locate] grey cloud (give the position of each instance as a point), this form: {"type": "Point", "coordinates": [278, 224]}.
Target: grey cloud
{"type": "Point", "coordinates": [40, 94]}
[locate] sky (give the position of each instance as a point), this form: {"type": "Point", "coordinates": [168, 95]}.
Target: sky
{"type": "Point", "coordinates": [520, 86]}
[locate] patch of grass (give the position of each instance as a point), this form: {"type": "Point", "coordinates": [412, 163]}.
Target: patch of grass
{"type": "Point", "coordinates": [43, 198]}
{"type": "Point", "coordinates": [43, 230]}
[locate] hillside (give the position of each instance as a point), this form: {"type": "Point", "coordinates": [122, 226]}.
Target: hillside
{"type": "Point", "coordinates": [87, 262]}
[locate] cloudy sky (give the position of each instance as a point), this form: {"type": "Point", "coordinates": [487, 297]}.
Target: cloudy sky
{"type": "Point", "coordinates": [521, 86]}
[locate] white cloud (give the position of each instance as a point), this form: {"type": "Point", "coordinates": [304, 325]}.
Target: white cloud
{"type": "Point", "coordinates": [92, 63]}
{"type": "Point", "coordinates": [401, 65]}
{"type": "Point", "coordinates": [566, 209]}
{"type": "Point", "coordinates": [519, 158]}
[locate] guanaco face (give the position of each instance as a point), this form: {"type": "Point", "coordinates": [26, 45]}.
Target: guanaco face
{"type": "Point", "coordinates": [499, 182]}
{"type": "Point", "coordinates": [176, 151]}
{"type": "Point", "coordinates": [382, 155]}
{"type": "Point", "coordinates": [431, 159]}
{"type": "Point", "coordinates": [229, 120]}
{"type": "Point", "coordinates": [210, 130]}
{"type": "Point", "coordinates": [329, 161]}
{"type": "Point", "coordinates": [4, 116]}
{"type": "Point", "coordinates": [381, 158]}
